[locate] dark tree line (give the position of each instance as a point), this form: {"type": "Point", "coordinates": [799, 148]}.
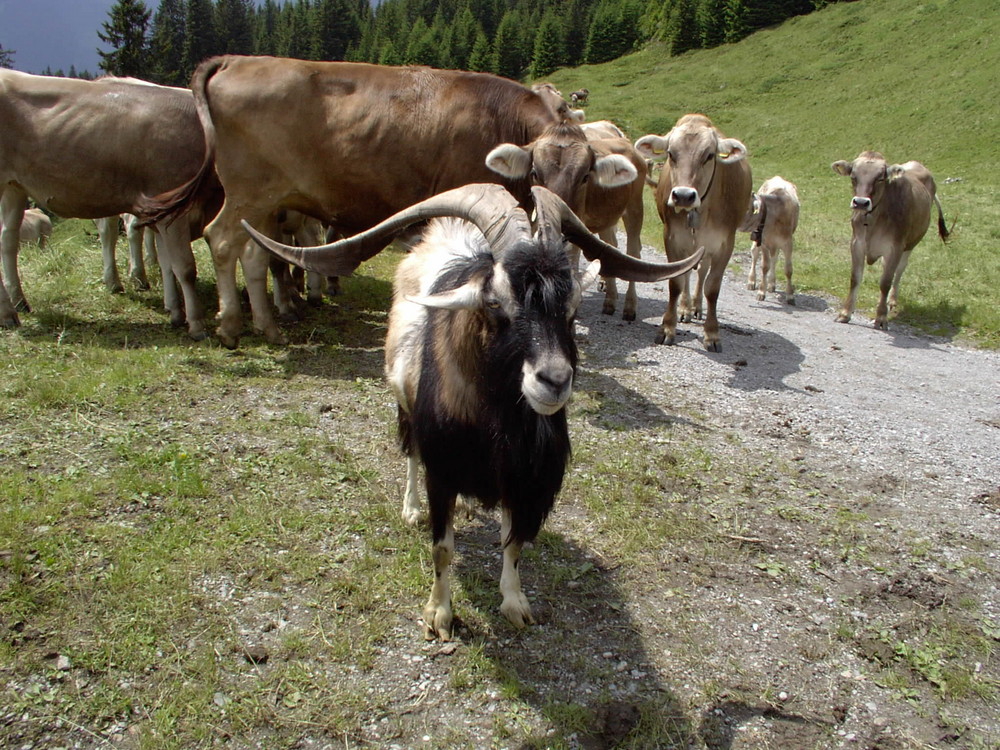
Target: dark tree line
{"type": "Point", "coordinates": [513, 38]}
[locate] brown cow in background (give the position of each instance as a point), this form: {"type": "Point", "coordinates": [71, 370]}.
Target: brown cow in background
{"type": "Point", "coordinates": [891, 213]}
{"type": "Point", "coordinates": [702, 196]}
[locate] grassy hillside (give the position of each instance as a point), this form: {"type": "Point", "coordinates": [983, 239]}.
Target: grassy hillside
{"type": "Point", "coordinates": [912, 80]}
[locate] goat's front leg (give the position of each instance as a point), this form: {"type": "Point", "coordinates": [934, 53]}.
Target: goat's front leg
{"type": "Point", "coordinates": [515, 605]}
{"type": "Point", "coordinates": [437, 611]}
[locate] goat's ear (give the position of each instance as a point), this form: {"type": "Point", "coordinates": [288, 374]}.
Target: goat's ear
{"type": "Point", "coordinates": [614, 171]}
{"type": "Point", "coordinates": [843, 168]}
{"type": "Point", "coordinates": [894, 171]}
{"type": "Point", "coordinates": [653, 147]}
{"type": "Point", "coordinates": [465, 297]}
{"type": "Point", "coordinates": [513, 162]}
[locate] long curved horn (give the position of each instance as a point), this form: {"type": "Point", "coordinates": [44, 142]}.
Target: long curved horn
{"type": "Point", "coordinates": [490, 207]}
{"type": "Point", "coordinates": [613, 261]}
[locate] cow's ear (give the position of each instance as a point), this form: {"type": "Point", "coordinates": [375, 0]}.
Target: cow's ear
{"type": "Point", "coordinates": [652, 147]}
{"type": "Point", "coordinates": [614, 171]}
{"type": "Point", "coordinates": [843, 168]}
{"type": "Point", "coordinates": [894, 171]}
{"type": "Point", "coordinates": [731, 150]}
{"type": "Point", "coordinates": [513, 162]}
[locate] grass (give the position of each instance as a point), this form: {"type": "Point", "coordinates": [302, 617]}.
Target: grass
{"type": "Point", "coordinates": [912, 80]}
{"type": "Point", "coordinates": [167, 506]}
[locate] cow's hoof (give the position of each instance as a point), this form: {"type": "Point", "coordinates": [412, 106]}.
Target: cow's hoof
{"type": "Point", "coordinates": [713, 346]}
{"type": "Point", "coordinates": [751, 285]}
{"type": "Point", "coordinates": [761, 296]}
{"type": "Point", "coordinates": [229, 342]}
{"type": "Point", "coordinates": [882, 325]}
{"type": "Point", "coordinates": [12, 321]}
{"type": "Point", "coordinates": [141, 285]}
{"type": "Point", "coordinates": [663, 338]}
{"type": "Point", "coordinates": [628, 316]}
{"type": "Point", "coordinates": [198, 335]}
{"type": "Point", "coordinates": [608, 309]}
{"type": "Point", "coordinates": [789, 300]}
{"type": "Point", "coordinates": [843, 318]}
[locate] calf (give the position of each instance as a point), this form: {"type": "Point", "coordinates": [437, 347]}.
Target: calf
{"type": "Point", "coordinates": [481, 358]}
{"type": "Point", "coordinates": [771, 220]}
{"type": "Point", "coordinates": [891, 213]}
{"type": "Point", "coordinates": [702, 196]}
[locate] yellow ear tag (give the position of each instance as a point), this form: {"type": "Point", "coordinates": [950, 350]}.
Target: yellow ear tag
{"type": "Point", "coordinates": [725, 155]}
{"type": "Point", "coordinates": [659, 150]}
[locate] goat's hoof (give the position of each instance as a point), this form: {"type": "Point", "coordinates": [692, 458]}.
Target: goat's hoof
{"type": "Point", "coordinates": [517, 611]}
{"type": "Point", "coordinates": [437, 622]}
{"type": "Point", "coordinates": [413, 516]}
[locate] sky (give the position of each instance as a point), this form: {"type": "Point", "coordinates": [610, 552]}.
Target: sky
{"type": "Point", "coordinates": [54, 33]}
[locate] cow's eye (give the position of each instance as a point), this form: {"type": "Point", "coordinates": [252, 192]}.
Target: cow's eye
{"type": "Point", "coordinates": [534, 175]}
{"type": "Point", "coordinates": [708, 157]}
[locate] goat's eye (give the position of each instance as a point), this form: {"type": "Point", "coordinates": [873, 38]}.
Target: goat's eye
{"type": "Point", "coordinates": [586, 177]}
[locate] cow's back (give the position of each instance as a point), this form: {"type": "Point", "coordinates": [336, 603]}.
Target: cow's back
{"type": "Point", "coordinates": [89, 149]}
{"type": "Point", "coordinates": [354, 143]}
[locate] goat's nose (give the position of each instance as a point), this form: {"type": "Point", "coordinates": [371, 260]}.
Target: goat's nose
{"type": "Point", "coordinates": [864, 204]}
{"type": "Point", "coordinates": [684, 197]}
{"type": "Point", "coordinates": [557, 376]}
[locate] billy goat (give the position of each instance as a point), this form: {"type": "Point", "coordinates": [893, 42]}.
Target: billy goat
{"type": "Point", "coordinates": [481, 358]}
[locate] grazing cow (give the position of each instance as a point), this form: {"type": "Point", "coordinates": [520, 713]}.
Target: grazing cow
{"type": "Point", "coordinates": [602, 129]}
{"type": "Point", "coordinates": [91, 149]}
{"type": "Point", "coordinates": [579, 97]}
{"type": "Point", "coordinates": [600, 179]}
{"type": "Point", "coordinates": [891, 213]}
{"type": "Point", "coordinates": [771, 220]}
{"type": "Point", "coordinates": [36, 227]}
{"type": "Point", "coordinates": [702, 195]}
{"type": "Point", "coordinates": [480, 345]}
{"type": "Point", "coordinates": [369, 140]}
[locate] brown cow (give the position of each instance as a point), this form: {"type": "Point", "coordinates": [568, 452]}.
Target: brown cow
{"type": "Point", "coordinates": [892, 210]}
{"type": "Point", "coordinates": [702, 195]}
{"type": "Point", "coordinates": [36, 227]}
{"type": "Point", "coordinates": [771, 220]}
{"type": "Point", "coordinates": [600, 179]}
{"type": "Point", "coordinates": [91, 149]}
{"type": "Point", "coordinates": [346, 143]}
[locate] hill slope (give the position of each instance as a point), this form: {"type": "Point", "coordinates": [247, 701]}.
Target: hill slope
{"type": "Point", "coordinates": [912, 80]}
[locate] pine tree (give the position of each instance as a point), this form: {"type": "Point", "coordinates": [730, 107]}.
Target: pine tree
{"type": "Point", "coordinates": [125, 33]}
{"type": "Point", "coordinates": [234, 26]}
{"type": "Point", "coordinates": [481, 57]}
{"type": "Point", "coordinates": [683, 34]}
{"type": "Point", "coordinates": [611, 33]}
{"type": "Point", "coordinates": [548, 54]}
{"type": "Point", "coordinates": [736, 20]}
{"type": "Point", "coordinates": [166, 44]}
{"type": "Point", "coordinates": [509, 59]}
{"type": "Point", "coordinates": [6, 57]}
{"type": "Point", "coordinates": [422, 47]}
{"type": "Point", "coordinates": [199, 34]}
{"type": "Point", "coordinates": [711, 22]}
{"type": "Point", "coordinates": [335, 27]}
{"type": "Point", "coordinates": [265, 35]}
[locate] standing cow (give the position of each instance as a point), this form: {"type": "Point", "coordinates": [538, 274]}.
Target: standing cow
{"type": "Point", "coordinates": [92, 149]}
{"type": "Point", "coordinates": [369, 141]}
{"type": "Point", "coordinates": [891, 213]}
{"type": "Point", "coordinates": [771, 220]}
{"type": "Point", "coordinates": [702, 196]}
{"type": "Point", "coordinates": [36, 227]}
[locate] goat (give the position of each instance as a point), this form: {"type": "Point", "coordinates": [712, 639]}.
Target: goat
{"type": "Point", "coordinates": [481, 358]}
{"type": "Point", "coordinates": [579, 97]}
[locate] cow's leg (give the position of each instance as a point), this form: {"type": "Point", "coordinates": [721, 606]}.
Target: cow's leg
{"type": "Point", "coordinates": [150, 254]}
{"type": "Point", "coordinates": [180, 264]}
{"type": "Point", "coordinates": [515, 605]}
{"type": "Point", "coordinates": [12, 205]}
{"type": "Point", "coordinates": [284, 290]}
{"type": "Point", "coordinates": [699, 291]}
{"type": "Point", "coordinates": [171, 294]}
{"type": "Point", "coordinates": [857, 273]}
{"type": "Point", "coordinates": [713, 284]}
{"type": "Point", "coordinates": [891, 271]}
{"type": "Point", "coordinates": [107, 231]}
{"type": "Point", "coordinates": [752, 275]}
{"type": "Point", "coordinates": [136, 263]}
{"type": "Point", "coordinates": [315, 287]}
{"type": "Point", "coordinates": [766, 273]}
{"type": "Point", "coordinates": [632, 219]}
{"type": "Point", "coordinates": [772, 268]}
{"type": "Point", "coordinates": [894, 292]}
{"type": "Point", "coordinates": [786, 249]}
{"type": "Point", "coordinates": [437, 612]}
{"type": "Point", "coordinates": [610, 282]}
{"type": "Point", "coordinates": [254, 260]}
{"type": "Point", "coordinates": [685, 310]}
{"type": "Point", "coordinates": [667, 334]}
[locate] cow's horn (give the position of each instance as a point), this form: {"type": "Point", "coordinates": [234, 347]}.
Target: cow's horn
{"type": "Point", "coordinates": [613, 261]}
{"type": "Point", "coordinates": [490, 207]}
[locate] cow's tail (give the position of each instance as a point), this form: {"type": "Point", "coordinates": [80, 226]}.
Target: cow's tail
{"type": "Point", "coordinates": [177, 201]}
{"type": "Point", "coordinates": [943, 232]}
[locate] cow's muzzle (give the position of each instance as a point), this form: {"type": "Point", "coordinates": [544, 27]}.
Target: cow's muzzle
{"type": "Point", "coordinates": [684, 199]}
{"type": "Point", "coordinates": [861, 204]}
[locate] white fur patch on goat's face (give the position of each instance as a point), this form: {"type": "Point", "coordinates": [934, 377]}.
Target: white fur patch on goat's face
{"type": "Point", "coordinates": [547, 383]}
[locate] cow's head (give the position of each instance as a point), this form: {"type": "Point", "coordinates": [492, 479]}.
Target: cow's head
{"type": "Point", "coordinates": [693, 151]}
{"type": "Point", "coordinates": [869, 174]}
{"type": "Point", "coordinates": [562, 160]}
